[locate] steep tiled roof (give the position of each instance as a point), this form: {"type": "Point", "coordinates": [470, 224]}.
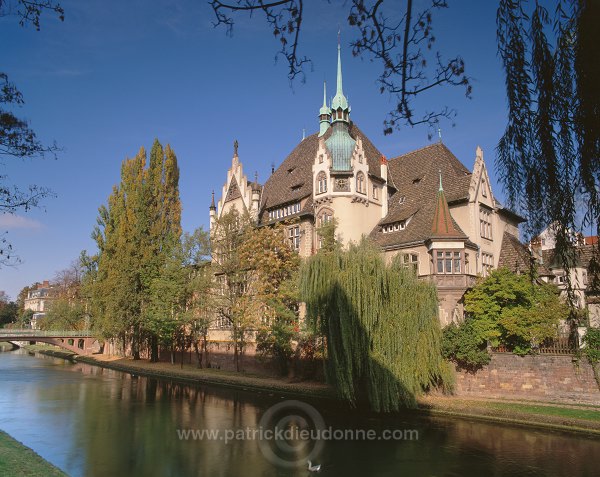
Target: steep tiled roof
{"type": "Point", "coordinates": [416, 177]}
{"type": "Point", "coordinates": [583, 256]}
{"type": "Point", "coordinates": [514, 255]}
{"type": "Point", "coordinates": [292, 180]}
{"type": "Point", "coordinates": [443, 225]}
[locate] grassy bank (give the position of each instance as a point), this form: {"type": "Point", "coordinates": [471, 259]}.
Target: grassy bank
{"type": "Point", "coordinates": [546, 415]}
{"type": "Point", "coordinates": [16, 460]}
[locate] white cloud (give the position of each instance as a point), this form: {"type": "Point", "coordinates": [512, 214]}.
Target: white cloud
{"type": "Point", "coordinates": [11, 221]}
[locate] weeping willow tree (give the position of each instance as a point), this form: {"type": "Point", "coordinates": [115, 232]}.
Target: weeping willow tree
{"type": "Point", "coordinates": [380, 323]}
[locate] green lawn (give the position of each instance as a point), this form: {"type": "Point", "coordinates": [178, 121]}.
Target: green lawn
{"type": "Point", "coordinates": [16, 460]}
{"type": "Point", "coordinates": [571, 413]}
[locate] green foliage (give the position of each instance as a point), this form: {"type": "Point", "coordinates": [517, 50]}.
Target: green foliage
{"type": "Point", "coordinates": [591, 342]}
{"type": "Point", "coordinates": [509, 309]}
{"type": "Point", "coordinates": [9, 312]}
{"type": "Point", "coordinates": [327, 237]}
{"type": "Point", "coordinates": [64, 315]}
{"type": "Point", "coordinates": [380, 324]}
{"type": "Point", "coordinates": [136, 233]}
{"type": "Point", "coordinates": [462, 345]}
{"type": "Point", "coordinates": [253, 267]}
{"type": "Point", "coordinates": [25, 319]}
{"type": "Point", "coordinates": [504, 309]}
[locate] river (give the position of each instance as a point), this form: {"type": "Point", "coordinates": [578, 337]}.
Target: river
{"type": "Point", "coordinates": [95, 422]}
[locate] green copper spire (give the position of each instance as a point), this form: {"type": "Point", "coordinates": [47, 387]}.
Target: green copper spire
{"type": "Point", "coordinates": [324, 113]}
{"type": "Point", "coordinates": [339, 100]}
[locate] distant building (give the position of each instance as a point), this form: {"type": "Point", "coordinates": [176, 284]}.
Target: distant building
{"type": "Point", "coordinates": [441, 217]}
{"type": "Point", "coordinates": [39, 301]}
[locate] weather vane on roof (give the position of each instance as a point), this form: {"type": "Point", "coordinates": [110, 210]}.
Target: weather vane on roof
{"type": "Point", "coordinates": [440, 134]}
{"type": "Point", "coordinates": [235, 148]}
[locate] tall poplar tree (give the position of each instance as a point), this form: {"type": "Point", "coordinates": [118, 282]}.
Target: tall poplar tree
{"type": "Point", "coordinates": [135, 233]}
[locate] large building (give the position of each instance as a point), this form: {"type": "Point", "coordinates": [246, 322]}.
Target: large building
{"type": "Point", "coordinates": [39, 301]}
{"type": "Point", "coordinates": [425, 205]}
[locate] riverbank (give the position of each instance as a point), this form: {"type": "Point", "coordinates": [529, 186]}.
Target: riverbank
{"type": "Point", "coordinates": [572, 418]}
{"type": "Point", "coordinates": [18, 460]}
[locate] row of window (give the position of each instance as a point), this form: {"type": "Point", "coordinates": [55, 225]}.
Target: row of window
{"type": "Point", "coordinates": [361, 185]}
{"type": "Point", "coordinates": [284, 211]}
{"type": "Point", "coordinates": [485, 223]}
{"type": "Point", "coordinates": [360, 158]}
{"type": "Point", "coordinates": [394, 227]}
{"type": "Point", "coordinates": [487, 262]}
{"type": "Point", "coordinates": [449, 262]}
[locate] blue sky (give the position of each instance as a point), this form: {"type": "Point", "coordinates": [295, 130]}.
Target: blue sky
{"type": "Point", "coordinates": [116, 75]}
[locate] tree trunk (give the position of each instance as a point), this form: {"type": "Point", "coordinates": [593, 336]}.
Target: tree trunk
{"type": "Point", "coordinates": [153, 348]}
{"type": "Point", "coordinates": [205, 348]}
{"type": "Point", "coordinates": [135, 343]}
{"type": "Point", "coordinates": [198, 356]}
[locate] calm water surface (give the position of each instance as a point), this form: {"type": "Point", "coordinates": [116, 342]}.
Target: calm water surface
{"type": "Point", "coordinates": [95, 422]}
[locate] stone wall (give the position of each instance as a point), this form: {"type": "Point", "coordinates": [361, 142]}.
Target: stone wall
{"type": "Point", "coordinates": [541, 378]}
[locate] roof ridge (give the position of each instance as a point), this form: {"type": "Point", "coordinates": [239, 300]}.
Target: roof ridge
{"type": "Point", "coordinates": [419, 150]}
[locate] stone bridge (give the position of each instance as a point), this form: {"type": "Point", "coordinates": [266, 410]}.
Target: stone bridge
{"type": "Point", "coordinates": [79, 342]}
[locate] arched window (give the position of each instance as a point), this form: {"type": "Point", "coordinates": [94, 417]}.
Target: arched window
{"type": "Point", "coordinates": [324, 217]}
{"type": "Point", "coordinates": [321, 182]}
{"type": "Point", "coordinates": [360, 183]}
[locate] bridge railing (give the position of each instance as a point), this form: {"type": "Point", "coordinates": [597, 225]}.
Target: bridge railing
{"type": "Point", "coordinates": [44, 334]}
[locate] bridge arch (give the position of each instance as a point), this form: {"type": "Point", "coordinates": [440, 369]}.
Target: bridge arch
{"type": "Point", "coordinates": [81, 343]}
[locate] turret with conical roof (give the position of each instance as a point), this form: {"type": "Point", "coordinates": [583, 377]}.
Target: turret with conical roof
{"type": "Point", "coordinates": [339, 105]}
{"type": "Point", "coordinates": [324, 113]}
{"type": "Point", "coordinates": [340, 144]}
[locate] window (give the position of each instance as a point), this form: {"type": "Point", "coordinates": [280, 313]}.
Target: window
{"type": "Point", "coordinates": [360, 158]}
{"type": "Point", "coordinates": [325, 217]}
{"type": "Point", "coordinates": [485, 223]}
{"type": "Point", "coordinates": [483, 188]}
{"type": "Point", "coordinates": [402, 199]}
{"type": "Point", "coordinates": [395, 227]}
{"type": "Point", "coordinates": [487, 263]}
{"type": "Point", "coordinates": [448, 262]}
{"type": "Point", "coordinates": [360, 183]}
{"type": "Point", "coordinates": [294, 237]}
{"type": "Point", "coordinates": [320, 158]}
{"type": "Point", "coordinates": [284, 211]}
{"type": "Point", "coordinates": [375, 192]}
{"type": "Point", "coordinates": [321, 183]}
{"type": "Point", "coordinates": [411, 261]}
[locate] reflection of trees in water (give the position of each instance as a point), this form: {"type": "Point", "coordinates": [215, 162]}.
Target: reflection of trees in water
{"type": "Point", "coordinates": [124, 425]}
{"type": "Point", "coordinates": [128, 426]}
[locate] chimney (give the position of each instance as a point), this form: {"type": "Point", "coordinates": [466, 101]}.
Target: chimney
{"type": "Point", "coordinates": [384, 190]}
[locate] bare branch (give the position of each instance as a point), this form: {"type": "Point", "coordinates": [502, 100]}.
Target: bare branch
{"type": "Point", "coordinates": [284, 18]}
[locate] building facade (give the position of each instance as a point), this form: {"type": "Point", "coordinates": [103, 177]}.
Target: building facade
{"type": "Point", "coordinates": [425, 205]}
{"type": "Point", "coordinates": [39, 301]}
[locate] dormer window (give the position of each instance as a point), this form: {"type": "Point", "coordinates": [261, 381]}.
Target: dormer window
{"type": "Point", "coordinates": [395, 227]}
{"type": "Point", "coordinates": [402, 199]}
